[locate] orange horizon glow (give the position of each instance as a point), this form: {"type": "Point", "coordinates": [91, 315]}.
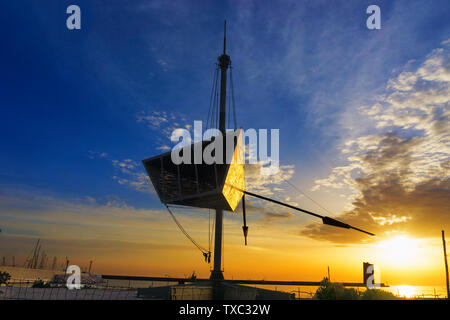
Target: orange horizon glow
{"type": "Point", "coordinates": [402, 260]}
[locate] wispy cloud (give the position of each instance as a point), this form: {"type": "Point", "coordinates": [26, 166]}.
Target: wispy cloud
{"type": "Point", "coordinates": [399, 172]}
{"type": "Point", "coordinates": [131, 173]}
{"type": "Point", "coordinates": [96, 155]}
{"type": "Point", "coordinates": [266, 184]}
{"type": "Point", "coordinates": [127, 172]}
{"type": "Point", "coordinates": [162, 124]}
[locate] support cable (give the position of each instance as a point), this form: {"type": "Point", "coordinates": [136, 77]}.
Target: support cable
{"type": "Point", "coordinates": [298, 189]}
{"type": "Point", "coordinates": [213, 89]}
{"type": "Point", "coordinates": [206, 253]}
{"type": "Point", "coordinates": [232, 97]}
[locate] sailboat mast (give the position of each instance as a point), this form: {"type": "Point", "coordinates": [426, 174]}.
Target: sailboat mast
{"type": "Point", "coordinates": [224, 62]}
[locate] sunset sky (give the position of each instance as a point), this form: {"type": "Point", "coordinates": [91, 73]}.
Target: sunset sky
{"type": "Point", "coordinates": [363, 118]}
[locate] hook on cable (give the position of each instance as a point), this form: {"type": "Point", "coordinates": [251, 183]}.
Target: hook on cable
{"type": "Point", "coordinates": [244, 227]}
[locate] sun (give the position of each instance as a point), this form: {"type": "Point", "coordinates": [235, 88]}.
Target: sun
{"type": "Point", "coordinates": [400, 250]}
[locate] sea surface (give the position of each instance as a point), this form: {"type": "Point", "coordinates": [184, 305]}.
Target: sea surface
{"type": "Point", "coordinates": [403, 291]}
{"type": "Point", "coordinates": [23, 275]}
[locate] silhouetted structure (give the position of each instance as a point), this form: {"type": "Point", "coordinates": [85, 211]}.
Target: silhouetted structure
{"type": "Point", "coordinates": [215, 186]}
{"type": "Point", "coordinates": [54, 263]}
{"type": "Point", "coordinates": [219, 185]}
{"type": "Point", "coordinates": [31, 262]}
{"type": "Point", "coordinates": [446, 265]}
{"type": "Point", "coordinates": [367, 274]}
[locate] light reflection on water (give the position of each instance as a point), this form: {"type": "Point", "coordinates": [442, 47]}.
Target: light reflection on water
{"type": "Point", "coordinates": [402, 291]}
{"type": "Point", "coordinates": [418, 291]}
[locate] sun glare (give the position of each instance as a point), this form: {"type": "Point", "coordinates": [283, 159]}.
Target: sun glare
{"type": "Point", "coordinates": [406, 291]}
{"type": "Point", "coordinates": [400, 250]}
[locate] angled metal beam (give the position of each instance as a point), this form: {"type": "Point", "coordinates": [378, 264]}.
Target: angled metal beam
{"type": "Point", "coordinates": [258, 282]}
{"type": "Point", "coordinates": [325, 219]}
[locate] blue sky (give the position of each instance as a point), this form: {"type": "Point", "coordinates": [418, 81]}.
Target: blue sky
{"type": "Point", "coordinates": [78, 108]}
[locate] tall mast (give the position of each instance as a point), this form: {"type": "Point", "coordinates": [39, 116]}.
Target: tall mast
{"type": "Point", "coordinates": [224, 62]}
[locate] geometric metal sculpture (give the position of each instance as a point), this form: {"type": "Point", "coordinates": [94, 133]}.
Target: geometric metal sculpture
{"type": "Point", "coordinates": [203, 185]}
{"type": "Point", "coordinates": [234, 184]}
{"type": "Point", "coordinates": [213, 186]}
{"type": "Point", "coordinates": [219, 185]}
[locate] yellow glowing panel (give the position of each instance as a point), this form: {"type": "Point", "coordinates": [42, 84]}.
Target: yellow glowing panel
{"type": "Point", "coordinates": [235, 180]}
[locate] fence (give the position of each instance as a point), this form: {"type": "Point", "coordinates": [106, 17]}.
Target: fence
{"type": "Point", "coordinates": [23, 290]}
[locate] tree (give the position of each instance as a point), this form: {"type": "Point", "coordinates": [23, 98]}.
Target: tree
{"type": "Point", "coordinates": [335, 291]}
{"type": "Point", "coordinates": [377, 294]}
{"type": "Point", "coordinates": [4, 277]}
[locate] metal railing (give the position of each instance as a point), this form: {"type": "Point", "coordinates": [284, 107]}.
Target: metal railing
{"type": "Point", "coordinates": [19, 289]}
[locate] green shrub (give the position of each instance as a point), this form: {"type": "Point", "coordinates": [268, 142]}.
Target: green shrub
{"type": "Point", "coordinates": [41, 284]}
{"type": "Point", "coordinates": [376, 294]}
{"type": "Point", "coordinates": [335, 291]}
{"type": "Point", "coordinates": [4, 277]}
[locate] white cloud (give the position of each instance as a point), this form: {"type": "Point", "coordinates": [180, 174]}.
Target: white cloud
{"type": "Point", "coordinates": [153, 119]}
{"type": "Point", "coordinates": [164, 148]}
{"type": "Point", "coordinates": [398, 169]}
{"type": "Point", "coordinates": [96, 155]}
{"type": "Point", "coordinates": [266, 184]}
{"type": "Point", "coordinates": [414, 115]}
{"type": "Point", "coordinates": [131, 173]}
{"type": "Point", "coordinates": [164, 123]}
